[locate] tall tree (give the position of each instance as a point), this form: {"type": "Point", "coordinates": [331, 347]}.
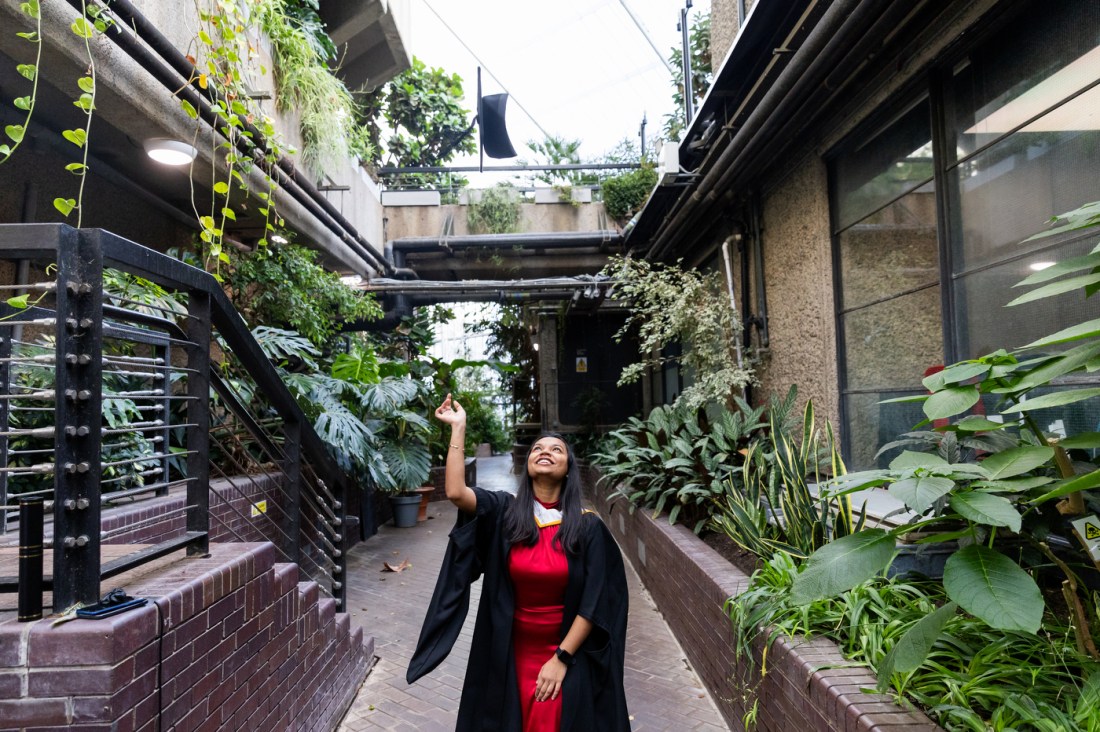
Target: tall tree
{"type": "Point", "coordinates": [417, 118]}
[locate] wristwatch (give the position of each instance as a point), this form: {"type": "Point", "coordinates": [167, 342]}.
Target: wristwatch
{"type": "Point", "coordinates": [564, 656]}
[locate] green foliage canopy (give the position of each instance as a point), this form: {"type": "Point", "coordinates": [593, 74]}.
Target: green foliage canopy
{"type": "Point", "coordinates": [285, 286]}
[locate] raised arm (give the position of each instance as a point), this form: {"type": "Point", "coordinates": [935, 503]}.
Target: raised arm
{"type": "Point", "coordinates": [451, 412]}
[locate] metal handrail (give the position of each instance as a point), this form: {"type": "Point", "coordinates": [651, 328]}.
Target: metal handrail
{"type": "Point", "coordinates": [81, 309]}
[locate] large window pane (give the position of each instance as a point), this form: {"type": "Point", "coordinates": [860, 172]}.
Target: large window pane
{"type": "Point", "coordinates": [1035, 63]}
{"type": "Point", "coordinates": [1011, 190]}
{"type": "Point", "coordinates": [891, 345]}
{"type": "Point", "coordinates": [985, 324]}
{"type": "Point", "coordinates": [1038, 73]}
{"type": "Point", "coordinates": [890, 163]}
{"type": "Point", "coordinates": [872, 424]}
{"type": "Point", "coordinates": [891, 252]}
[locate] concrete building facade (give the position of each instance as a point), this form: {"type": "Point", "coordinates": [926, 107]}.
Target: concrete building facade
{"type": "Point", "coordinates": [877, 168]}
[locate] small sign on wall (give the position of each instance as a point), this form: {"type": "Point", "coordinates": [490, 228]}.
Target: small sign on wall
{"type": "Point", "coordinates": [582, 361]}
{"type": "Point", "coordinates": [1087, 529]}
{"type": "Point", "coordinates": [258, 508]}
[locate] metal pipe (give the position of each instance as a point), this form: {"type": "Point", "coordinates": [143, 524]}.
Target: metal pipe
{"type": "Point", "coordinates": [549, 240]}
{"type": "Point", "coordinates": [685, 63]}
{"type": "Point", "coordinates": [169, 63]}
{"type": "Point", "coordinates": [31, 520]}
{"type": "Point", "coordinates": [832, 32]}
{"type": "Point", "coordinates": [728, 268]}
{"type": "Point", "coordinates": [398, 170]}
{"type": "Point", "coordinates": [761, 320]}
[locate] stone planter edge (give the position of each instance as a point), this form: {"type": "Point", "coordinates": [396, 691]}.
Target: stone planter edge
{"type": "Point", "coordinates": [808, 685]}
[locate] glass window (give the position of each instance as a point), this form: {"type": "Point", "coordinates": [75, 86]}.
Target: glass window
{"type": "Point", "coordinates": [893, 344]}
{"type": "Point", "coordinates": [1022, 135]}
{"type": "Point", "coordinates": [890, 252]}
{"type": "Point", "coordinates": [983, 322]}
{"type": "Point", "coordinates": [891, 162]}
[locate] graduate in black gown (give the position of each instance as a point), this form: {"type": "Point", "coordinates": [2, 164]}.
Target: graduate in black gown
{"type": "Point", "coordinates": [584, 673]}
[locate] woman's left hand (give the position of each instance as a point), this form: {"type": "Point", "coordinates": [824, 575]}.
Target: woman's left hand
{"type": "Point", "coordinates": [548, 685]}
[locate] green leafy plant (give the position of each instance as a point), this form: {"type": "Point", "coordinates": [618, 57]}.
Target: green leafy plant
{"type": "Point", "coordinates": [284, 286]}
{"type": "Point", "coordinates": [16, 133]}
{"type": "Point", "coordinates": [326, 109]}
{"type": "Point", "coordinates": [668, 305]}
{"type": "Point", "coordinates": [417, 118]}
{"type": "Point", "coordinates": [678, 459]}
{"type": "Point", "coordinates": [701, 73]}
{"type": "Point", "coordinates": [509, 341]}
{"type": "Point", "coordinates": [993, 505]}
{"type": "Point", "coordinates": [772, 508]}
{"type": "Point", "coordinates": [624, 195]}
{"type": "Point", "coordinates": [964, 674]}
{"type": "Point", "coordinates": [494, 210]}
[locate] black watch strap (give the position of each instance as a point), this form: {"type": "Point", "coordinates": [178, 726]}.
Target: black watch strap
{"type": "Point", "coordinates": [564, 656]}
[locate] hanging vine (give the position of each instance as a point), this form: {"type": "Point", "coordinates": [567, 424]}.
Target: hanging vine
{"type": "Point", "coordinates": [16, 133]}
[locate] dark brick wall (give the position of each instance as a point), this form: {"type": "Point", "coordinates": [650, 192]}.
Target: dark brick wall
{"type": "Point", "coordinates": [231, 501]}
{"type": "Point", "coordinates": [690, 583]}
{"type": "Point", "coordinates": [232, 642]}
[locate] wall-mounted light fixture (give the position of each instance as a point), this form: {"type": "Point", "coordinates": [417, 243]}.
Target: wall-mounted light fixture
{"type": "Point", "coordinates": [170, 152]}
{"type": "Point", "coordinates": [278, 239]}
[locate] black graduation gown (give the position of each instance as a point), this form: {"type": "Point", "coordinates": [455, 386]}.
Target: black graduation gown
{"type": "Point", "coordinates": [592, 692]}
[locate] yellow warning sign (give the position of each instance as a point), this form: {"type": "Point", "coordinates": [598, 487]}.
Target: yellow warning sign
{"type": "Point", "coordinates": [258, 508]}
{"type": "Point", "coordinates": [582, 364]}
{"type": "Point", "coordinates": [1087, 529]}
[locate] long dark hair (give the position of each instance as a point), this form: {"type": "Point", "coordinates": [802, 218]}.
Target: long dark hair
{"type": "Point", "coordinates": [519, 519]}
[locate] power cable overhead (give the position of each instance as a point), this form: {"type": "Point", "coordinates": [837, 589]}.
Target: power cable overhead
{"type": "Point", "coordinates": [642, 29]}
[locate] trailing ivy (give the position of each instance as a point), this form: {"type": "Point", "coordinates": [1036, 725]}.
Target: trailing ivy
{"type": "Point", "coordinates": [671, 305]}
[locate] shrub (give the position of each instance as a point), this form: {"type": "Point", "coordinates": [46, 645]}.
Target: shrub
{"type": "Point", "coordinates": [624, 195]}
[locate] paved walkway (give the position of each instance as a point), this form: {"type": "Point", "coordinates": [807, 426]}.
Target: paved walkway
{"type": "Point", "coordinates": [662, 692]}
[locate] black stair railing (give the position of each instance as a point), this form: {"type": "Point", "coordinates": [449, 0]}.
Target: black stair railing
{"type": "Point", "coordinates": [126, 405]}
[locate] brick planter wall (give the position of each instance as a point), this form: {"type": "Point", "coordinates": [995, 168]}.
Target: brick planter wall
{"type": "Point", "coordinates": [231, 501]}
{"type": "Point", "coordinates": [232, 642]}
{"type": "Point", "coordinates": [690, 582]}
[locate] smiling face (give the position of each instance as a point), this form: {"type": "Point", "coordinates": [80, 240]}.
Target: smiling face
{"type": "Point", "coordinates": [549, 457]}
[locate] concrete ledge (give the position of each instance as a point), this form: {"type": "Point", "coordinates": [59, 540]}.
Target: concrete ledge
{"type": "Point", "coordinates": [808, 685]}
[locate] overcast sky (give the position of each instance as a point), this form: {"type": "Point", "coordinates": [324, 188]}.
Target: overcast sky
{"type": "Point", "coordinates": [580, 69]}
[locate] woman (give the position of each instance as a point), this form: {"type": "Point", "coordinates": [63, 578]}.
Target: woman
{"type": "Point", "coordinates": [550, 634]}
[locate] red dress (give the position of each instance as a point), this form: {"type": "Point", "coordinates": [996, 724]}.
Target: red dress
{"type": "Point", "coordinates": [539, 575]}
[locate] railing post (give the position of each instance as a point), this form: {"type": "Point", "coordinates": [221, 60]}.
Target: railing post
{"type": "Point", "coordinates": [198, 415]}
{"type": "Point", "coordinates": [78, 414]}
{"type": "Point", "coordinates": [165, 353]}
{"type": "Point", "coordinates": [30, 558]}
{"type": "Point", "coordinates": [5, 388]}
{"type": "Point", "coordinates": [292, 468]}
{"type": "Point", "coordinates": [339, 575]}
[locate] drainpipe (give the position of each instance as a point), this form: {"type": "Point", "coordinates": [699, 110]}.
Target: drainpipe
{"type": "Point", "coordinates": [177, 64]}
{"type": "Point", "coordinates": [829, 38]}
{"type": "Point", "coordinates": [760, 320]}
{"type": "Point", "coordinates": [728, 269]}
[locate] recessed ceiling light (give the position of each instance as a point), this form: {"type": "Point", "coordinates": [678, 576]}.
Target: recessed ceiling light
{"type": "Point", "coordinates": [1040, 266]}
{"type": "Point", "coordinates": [170, 152]}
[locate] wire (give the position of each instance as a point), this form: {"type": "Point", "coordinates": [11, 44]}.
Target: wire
{"type": "Point", "coordinates": [645, 32]}
{"type": "Point", "coordinates": [486, 67]}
